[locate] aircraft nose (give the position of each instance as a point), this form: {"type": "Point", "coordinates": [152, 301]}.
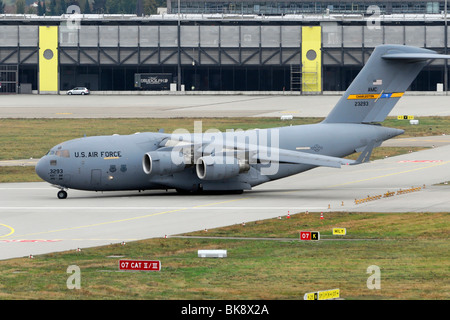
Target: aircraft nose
{"type": "Point", "coordinates": [41, 168]}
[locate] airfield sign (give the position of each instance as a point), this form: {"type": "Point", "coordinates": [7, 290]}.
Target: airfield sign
{"type": "Point", "coordinates": [309, 235]}
{"type": "Point", "coordinates": [339, 231]}
{"type": "Point", "coordinates": [139, 265]}
{"type": "Point", "coordinates": [322, 295]}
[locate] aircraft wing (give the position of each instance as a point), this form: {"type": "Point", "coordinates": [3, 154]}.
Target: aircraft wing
{"type": "Point", "coordinates": [266, 154]}
{"type": "Point", "coordinates": [299, 157]}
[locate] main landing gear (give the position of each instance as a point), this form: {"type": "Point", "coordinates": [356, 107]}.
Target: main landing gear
{"type": "Point", "coordinates": [62, 194]}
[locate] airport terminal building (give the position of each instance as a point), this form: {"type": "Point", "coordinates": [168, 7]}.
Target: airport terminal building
{"type": "Point", "coordinates": [262, 7]}
{"type": "Point", "coordinates": [310, 52]}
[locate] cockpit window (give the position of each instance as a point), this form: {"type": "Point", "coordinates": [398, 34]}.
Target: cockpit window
{"type": "Point", "coordinates": [63, 153]}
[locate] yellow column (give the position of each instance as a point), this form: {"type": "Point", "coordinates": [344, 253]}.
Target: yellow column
{"type": "Point", "coordinates": [48, 59]}
{"type": "Point", "coordinates": [311, 59]}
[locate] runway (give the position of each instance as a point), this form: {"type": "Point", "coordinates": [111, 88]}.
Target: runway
{"type": "Point", "coordinates": [198, 106]}
{"type": "Point", "coordinates": [34, 221]}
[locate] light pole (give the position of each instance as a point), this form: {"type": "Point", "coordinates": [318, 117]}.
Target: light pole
{"type": "Point", "coordinates": [179, 51]}
{"type": "Point", "coordinates": [446, 50]}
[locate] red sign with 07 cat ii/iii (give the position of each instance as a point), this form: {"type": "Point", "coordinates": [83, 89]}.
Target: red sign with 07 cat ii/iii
{"type": "Point", "coordinates": [140, 265]}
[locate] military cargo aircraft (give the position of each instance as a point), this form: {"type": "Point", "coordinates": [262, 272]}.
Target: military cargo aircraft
{"type": "Point", "coordinates": [234, 161]}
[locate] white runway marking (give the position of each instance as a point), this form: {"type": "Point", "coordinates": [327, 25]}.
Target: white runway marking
{"type": "Point", "coordinates": [163, 208]}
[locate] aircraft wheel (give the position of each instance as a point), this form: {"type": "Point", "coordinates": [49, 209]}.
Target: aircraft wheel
{"type": "Point", "coordinates": [62, 194]}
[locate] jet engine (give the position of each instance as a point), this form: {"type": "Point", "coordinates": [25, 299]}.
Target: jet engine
{"type": "Point", "coordinates": [160, 162]}
{"type": "Point", "coordinates": [217, 168]}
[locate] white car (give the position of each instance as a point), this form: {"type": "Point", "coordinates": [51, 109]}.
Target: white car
{"type": "Point", "coordinates": [78, 90]}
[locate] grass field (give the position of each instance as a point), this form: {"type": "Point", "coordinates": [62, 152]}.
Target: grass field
{"type": "Point", "coordinates": [28, 174]}
{"type": "Point", "coordinates": [32, 138]}
{"type": "Point", "coordinates": [18, 174]}
{"type": "Point", "coordinates": [409, 248]}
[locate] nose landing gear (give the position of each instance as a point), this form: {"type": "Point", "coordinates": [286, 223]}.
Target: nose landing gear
{"type": "Point", "coordinates": [62, 194]}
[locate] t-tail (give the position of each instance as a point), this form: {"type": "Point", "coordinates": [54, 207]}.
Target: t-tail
{"type": "Point", "coordinates": [380, 84]}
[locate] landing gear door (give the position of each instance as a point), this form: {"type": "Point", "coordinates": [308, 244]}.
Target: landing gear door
{"type": "Point", "coordinates": [96, 177]}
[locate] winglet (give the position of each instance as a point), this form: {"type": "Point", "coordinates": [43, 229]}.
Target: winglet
{"type": "Point", "coordinates": [365, 154]}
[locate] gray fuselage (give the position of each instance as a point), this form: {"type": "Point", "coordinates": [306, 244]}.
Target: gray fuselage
{"type": "Point", "coordinates": [108, 163]}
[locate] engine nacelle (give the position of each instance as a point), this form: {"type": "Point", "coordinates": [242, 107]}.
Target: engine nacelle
{"type": "Point", "coordinates": [160, 163]}
{"type": "Point", "coordinates": [217, 168]}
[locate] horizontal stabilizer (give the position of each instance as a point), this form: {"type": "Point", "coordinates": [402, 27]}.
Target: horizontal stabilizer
{"type": "Point", "coordinates": [414, 56]}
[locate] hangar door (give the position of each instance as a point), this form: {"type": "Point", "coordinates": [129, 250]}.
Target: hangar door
{"type": "Point", "coordinates": [8, 79]}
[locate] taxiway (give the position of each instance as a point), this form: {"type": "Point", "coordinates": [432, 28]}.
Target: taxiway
{"type": "Point", "coordinates": [34, 221]}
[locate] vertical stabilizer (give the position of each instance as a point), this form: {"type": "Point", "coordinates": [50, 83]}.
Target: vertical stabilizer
{"type": "Point", "coordinates": [380, 84]}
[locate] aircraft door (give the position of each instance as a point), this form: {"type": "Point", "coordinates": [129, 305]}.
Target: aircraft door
{"type": "Point", "coordinates": [96, 177]}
